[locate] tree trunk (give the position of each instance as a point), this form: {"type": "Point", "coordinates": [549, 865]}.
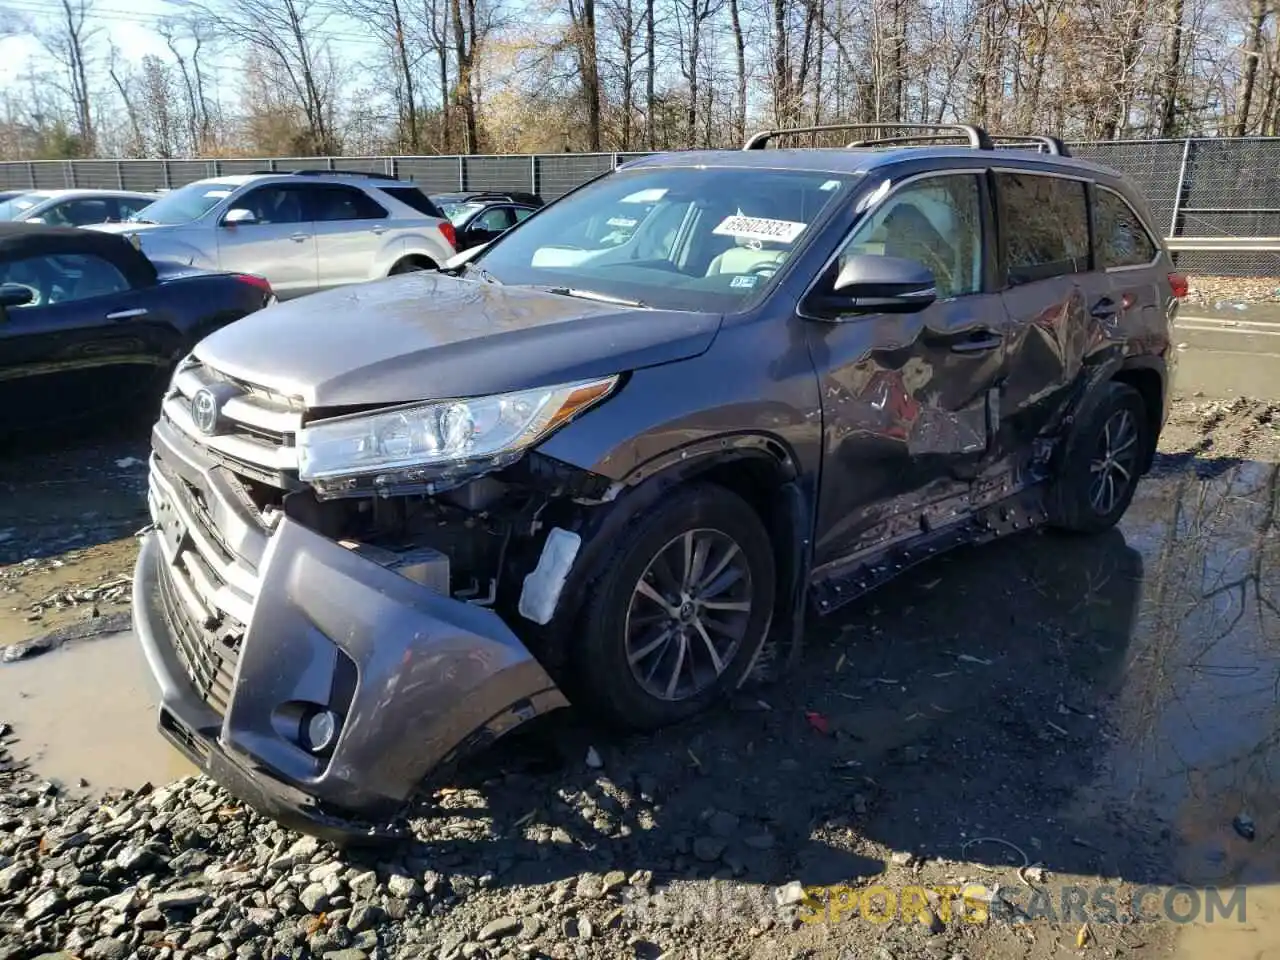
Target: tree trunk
{"type": "Point", "coordinates": [409, 107]}
{"type": "Point", "coordinates": [740, 54]}
{"type": "Point", "coordinates": [1171, 75]}
{"type": "Point", "coordinates": [462, 51]}
{"type": "Point", "coordinates": [651, 65]}
{"type": "Point", "coordinates": [1253, 50]}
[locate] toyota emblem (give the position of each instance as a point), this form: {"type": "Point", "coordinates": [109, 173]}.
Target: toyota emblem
{"type": "Point", "coordinates": [204, 411]}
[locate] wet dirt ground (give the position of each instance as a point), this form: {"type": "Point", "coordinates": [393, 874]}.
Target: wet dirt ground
{"type": "Point", "coordinates": [1102, 710]}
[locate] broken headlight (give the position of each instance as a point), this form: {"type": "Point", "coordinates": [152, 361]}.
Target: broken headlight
{"type": "Point", "coordinates": [425, 441]}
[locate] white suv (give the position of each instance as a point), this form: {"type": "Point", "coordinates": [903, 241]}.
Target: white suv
{"type": "Point", "coordinates": [302, 231]}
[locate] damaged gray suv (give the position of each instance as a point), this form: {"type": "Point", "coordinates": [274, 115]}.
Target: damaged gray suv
{"type": "Point", "coordinates": [617, 457]}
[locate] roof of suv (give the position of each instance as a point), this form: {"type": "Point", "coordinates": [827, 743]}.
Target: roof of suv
{"type": "Point", "coordinates": [858, 159]}
{"type": "Point", "coordinates": [326, 176]}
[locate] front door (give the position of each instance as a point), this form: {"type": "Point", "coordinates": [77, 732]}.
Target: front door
{"type": "Point", "coordinates": [908, 399]}
{"type": "Point", "coordinates": [85, 346]}
{"type": "Point", "coordinates": [280, 242]}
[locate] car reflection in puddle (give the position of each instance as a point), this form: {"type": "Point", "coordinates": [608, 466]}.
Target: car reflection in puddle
{"type": "Point", "coordinates": [1196, 716]}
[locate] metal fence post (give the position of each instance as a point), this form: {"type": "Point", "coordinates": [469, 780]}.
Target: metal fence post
{"type": "Point", "coordinates": [168, 174]}
{"type": "Point", "coordinates": [462, 172]}
{"type": "Point", "coordinates": [1177, 193]}
{"type": "Point", "coordinates": [31, 174]}
{"type": "Point", "coordinates": [533, 173]}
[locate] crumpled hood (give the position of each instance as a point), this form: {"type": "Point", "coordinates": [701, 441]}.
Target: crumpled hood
{"type": "Point", "coordinates": [427, 336]}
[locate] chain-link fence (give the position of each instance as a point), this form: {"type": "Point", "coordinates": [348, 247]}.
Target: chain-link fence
{"type": "Point", "coordinates": [1220, 198]}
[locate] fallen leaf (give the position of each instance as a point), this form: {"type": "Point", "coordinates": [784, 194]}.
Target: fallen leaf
{"type": "Point", "coordinates": [818, 722]}
{"type": "Point", "coordinates": [1082, 936]}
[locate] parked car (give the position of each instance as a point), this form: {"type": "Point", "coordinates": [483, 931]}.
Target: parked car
{"type": "Point", "coordinates": [73, 208]}
{"type": "Point", "coordinates": [303, 231]}
{"type": "Point", "coordinates": [10, 194]}
{"type": "Point", "coordinates": [482, 217]}
{"type": "Point", "coordinates": [89, 326]}
{"type": "Point", "coordinates": [624, 474]}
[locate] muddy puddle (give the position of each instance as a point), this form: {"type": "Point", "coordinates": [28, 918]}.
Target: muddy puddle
{"type": "Point", "coordinates": [87, 711]}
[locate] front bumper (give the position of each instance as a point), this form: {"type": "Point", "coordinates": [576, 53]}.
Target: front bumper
{"type": "Point", "coordinates": [246, 631]}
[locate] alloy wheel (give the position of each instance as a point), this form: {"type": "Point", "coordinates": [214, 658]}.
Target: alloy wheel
{"type": "Point", "coordinates": [688, 614]}
{"type": "Point", "coordinates": [1115, 464]}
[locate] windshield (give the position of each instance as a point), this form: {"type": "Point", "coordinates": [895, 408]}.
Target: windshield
{"type": "Point", "coordinates": [15, 207]}
{"type": "Point", "coordinates": [459, 210]}
{"type": "Point", "coordinates": [185, 204]}
{"type": "Point", "coordinates": [679, 238]}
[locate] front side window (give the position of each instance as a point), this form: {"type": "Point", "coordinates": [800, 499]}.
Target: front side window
{"type": "Point", "coordinates": [936, 222]}
{"type": "Point", "coordinates": [494, 220]}
{"type": "Point", "coordinates": [343, 203]}
{"type": "Point", "coordinates": [1045, 225]}
{"type": "Point", "coordinates": [77, 213]}
{"type": "Point", "coordinates": [273, 205]}
{"type": "Point", "coordinates": [679, 238]}
{"type": "Point", "coordinates": [63, 278]}
{"type": "Point", "coordinates": [1123, 241]}
{"type": "Point", "coordinates": [522, 213]}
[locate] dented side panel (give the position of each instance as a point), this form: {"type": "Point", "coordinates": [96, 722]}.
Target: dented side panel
{"type": "Point", "coordinates": [907, 417]}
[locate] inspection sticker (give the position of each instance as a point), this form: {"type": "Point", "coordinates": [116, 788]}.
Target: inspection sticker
{"type": "Point", "coordinates": [759, 228]}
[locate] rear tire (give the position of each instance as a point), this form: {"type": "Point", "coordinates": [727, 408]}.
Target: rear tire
{"type": "Point", "coordinates": [1101, 462]}
{"type": "Point", "coordinates": [679, 614]}
{"type": "Point", "coordinates": [411, 265]}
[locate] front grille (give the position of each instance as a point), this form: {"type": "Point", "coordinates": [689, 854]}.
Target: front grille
{"type": "Point", "coordinates": [207, 592]}
{"type": "Point", "coordinates": [256, 427]}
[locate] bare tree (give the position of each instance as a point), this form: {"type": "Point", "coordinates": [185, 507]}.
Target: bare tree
{"type": "Point", "coordinates": [288, 33]}
{"type": "Point", "coordinates": [196, 33]}
{"type": "Point", "coordinates": [69, 40]}
{"type": "Point", "coordinates": [137, 143]}
{"type": "Point", "coordinates": [582, 17]}
{"type": "Point", "coordinates": [1259, 11]}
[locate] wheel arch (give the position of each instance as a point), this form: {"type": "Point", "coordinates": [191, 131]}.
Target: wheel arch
{"type": "Point", "coordinates": [1148, 379]}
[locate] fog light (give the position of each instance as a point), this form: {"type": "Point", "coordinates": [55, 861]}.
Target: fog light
{"type": "Point", "coordinates": [322, 730]}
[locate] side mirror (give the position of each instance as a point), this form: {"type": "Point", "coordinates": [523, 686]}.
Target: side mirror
{"type": "Point", "coordinates": [868, 283]}
{"type": "Point", "coordinates": [239, 217]}
{"type": "Point", "coordinates": [14, 295]}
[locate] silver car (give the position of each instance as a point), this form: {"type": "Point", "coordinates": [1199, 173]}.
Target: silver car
{"type": "Point", "coordinates": [74, 208]}
{"type": "Point", "coordinates": [302, 231]}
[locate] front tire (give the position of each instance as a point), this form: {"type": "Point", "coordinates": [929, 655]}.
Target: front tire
{"type": "Point", "coordinates": [678, 616]}
{"type": "Point", "coordinates": [1101, 463]}
{"type": "Point", "coordinates": [411, 265]}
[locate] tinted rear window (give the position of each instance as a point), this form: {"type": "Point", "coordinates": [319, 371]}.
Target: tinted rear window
{"type": "Point", "coordinates": [413, 197]}
{"type": "Point", "coordinates": [1123, 241]}
{"type": "Point", "coordinates": [1045, 225]}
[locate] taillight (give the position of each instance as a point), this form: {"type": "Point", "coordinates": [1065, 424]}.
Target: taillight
{"type": "Point", "coordinates": [1180, 286]}
{"type": "Point", "coordinates": [450, 234]}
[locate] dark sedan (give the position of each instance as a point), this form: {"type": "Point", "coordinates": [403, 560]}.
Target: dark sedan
{"type": "Point", "coordinates": [483, 217]}
{"type": "Point", "coordinates": [89, 327]}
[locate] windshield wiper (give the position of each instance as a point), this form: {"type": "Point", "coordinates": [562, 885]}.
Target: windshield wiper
{"type": "Point", "coordinates": [594, 295]}
{"type": "Point", "coordinates": [139, 220]}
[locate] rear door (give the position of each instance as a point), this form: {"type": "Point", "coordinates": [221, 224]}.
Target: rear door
{"type": "Point", "coordinates": [1050, 288]}
{"type": "Point", "coordinates": [351, 228]}
{"type": "Point", "coordinates": [280, 244]}
{"type": "Point", "coordinates": [1133, 300]}
{"type": "Point", "coordinates": [88, 344]}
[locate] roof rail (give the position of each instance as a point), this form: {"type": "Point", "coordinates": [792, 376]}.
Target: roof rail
{"type": "Point", "coordinates": [1051, 145]}
{"type": "Point", "coordinates": [976, 136]}
{"type": "Point", "coordinates": [322, 173]}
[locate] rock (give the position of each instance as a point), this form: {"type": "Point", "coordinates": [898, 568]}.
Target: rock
{"type": "Point", "coordinates": [179, 899]}
{"type": "Point", "coordinates": [589, 887]}
{"type": "Point", "coordinates": [499, 928]}
{"type": "Point", "coordinates": [594, 760]}
{"type": "Point", "coordinates": [350, 953]}
{"type": "Point", "coordinates": [364, 885]}
{"type": "Point", "coordinates": [1034, 874]}
{"type": "Point", "coordinates": [789, 894]}
{"type": "Point", "coordinates": [363, 916]}
{"type": "Point", "coordinates": [314, 898]}
{"type": "Point", "coordinates": [150, 919]}
{"type": "Point", "coordinates": [722, 824]}
{"type": "Point", "coordinates": [304, 849]}
{"type": "Point", "coordinates": [903, 858]}
{"type": "Point", "coordinates": [586, 929]}
{"type": "Point", "coordinates": [45, 905]}
{"type": "Point", "coordinates": [135, 856]}
{"type": "Point", "coordinates": [406, 888]}
{"type": "Point", "coordinates": [708, 849]}
{"type": "Point", "coordinates": [121, 902]}
{"type": "Point", "coordinates": [331, 869]}
{"type": "Point", "coordinates": [14, 877]}
{"type": "Point", "coordinates": [333, 884]}
{"type": "Point", "coordinates": [200, 940]}
{"type": "Point", "coordinates": [613, 880]}
{"type": "Point", "coordinates": [108, 948]}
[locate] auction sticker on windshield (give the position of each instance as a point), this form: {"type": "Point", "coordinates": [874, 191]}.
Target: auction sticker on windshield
{"type": "Point", "coordinates": [760, 228]}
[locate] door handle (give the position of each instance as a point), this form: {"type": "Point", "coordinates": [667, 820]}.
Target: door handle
{"type": "Point", "coordinates": [1104, 309]}
{"type": "Point", "coordinates": [379, 231]}
{"type": "Point", "coordinates": [299, 237]}
{"type": "Point", "coordinates": [978, 342]}
{"type": "Point", "coordinates": [128, 314]}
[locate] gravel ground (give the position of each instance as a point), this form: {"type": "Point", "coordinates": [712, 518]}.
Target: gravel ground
{"type": "Point", "coordinates": [1229, 290]}
{"type": "Point", "coordinates": [938, 735]}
